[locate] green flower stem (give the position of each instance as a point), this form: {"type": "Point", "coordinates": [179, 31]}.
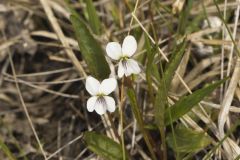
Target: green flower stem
{"type": "Point", "coordinates": [121, 109]}
{"type": "Point", "coordinates": [138, 116]}
{"type": "Point", "coordinates": [113, 126]}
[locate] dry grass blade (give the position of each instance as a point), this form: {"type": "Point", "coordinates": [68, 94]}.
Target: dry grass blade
{"type": "Point", "coordinates": [54, 36]}
{"type": "Point", "coordinates": [65, 146]}
{"type": "Point", "coordinates": [225, 106]}
{"type": "Point", "coordinates": [59, 32]}
{"type": "Point", "coordinates": [24, 107]}
{"type": "Point", "coordinates": [52, 52]}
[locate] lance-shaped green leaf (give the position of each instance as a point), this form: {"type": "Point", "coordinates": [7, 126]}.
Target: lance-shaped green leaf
{"type": "Point", "coordinates": [71, 9]}
{"type": "Point", "coordinates": [184, 18]}
{"type": "Point", "coordinates": [103, 146]}
{"type": "Point", "coordinates": [150, 64]}
{"type": "Point", "coordinates": [91, 50]}
{"type": "Point", "coordinates": [152, 67]}
{"type": "Point", "coordinates": [173, 64]}
{"type": "Point", "coordinates": [161, 97]}
{"type": "Point", "coordinates": [186, 103]}
{"type": "Point", "coordinates": [93, 17]}
{"type": "Point", "coordinates": [137, 114]}
{"type": "Point", "coordinates": [187, 140]}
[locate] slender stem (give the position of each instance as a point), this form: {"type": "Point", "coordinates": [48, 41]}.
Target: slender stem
{"type": "Point", "coordinates": [162, 133]}
{"type": "Point", "coordinates": [113, 127]}
{"type": "Point", "coordinates": [121, 117]}
{"type": "Point", "coordinates": [23, 102]}
{"type": "Point", "coordinates": [162, 127]}
{"type": "Point", "coordinates": [134, 11]}
{"type": "Point", "coordinates": [137, 114]}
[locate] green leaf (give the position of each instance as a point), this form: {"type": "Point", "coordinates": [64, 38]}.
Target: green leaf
{"type": "Point", "coordinates": [161, 102]}
{"type": "Point", "coordinates": [184, 18]}
{"type": "Point", "coordinates": [91, 50]}
{"type": "Point", "coordinates": [187, 140]}
{"type": "Point", "coordinates": [93, 17]}
{"type": "Point", "coordinates": [186, 103]}
{"type": "Point", "coordinates": [150, 65]}
{"type": "Point", "coordinates": [173, 63]}
{"type": "Point", "coordinates": [71, 8]}
{"type": "Point", "coordinates": [161, 97]}
{"type": "Point", "coordinates": [6, 150]}
{"type": "Point", "coordinates": [136, 111]}
{"type": "Point", "coordinates": [103, 146]}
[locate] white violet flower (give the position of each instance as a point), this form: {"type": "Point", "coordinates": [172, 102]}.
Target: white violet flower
{"type": "Point", "coordinates": [100, 101]}
{"type": "Point", "coordinates": [123, 53]}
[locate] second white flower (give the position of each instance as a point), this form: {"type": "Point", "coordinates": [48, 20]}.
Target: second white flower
{"type": "Point", "coordinates": [123, 53]}
{"type": "Point", "coordinates": [100, 101]}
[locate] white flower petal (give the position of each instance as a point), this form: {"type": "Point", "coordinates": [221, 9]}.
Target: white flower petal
{"type": "Point", "coordinates": [107, 86]}
{"type": "Point", "coordinates": [91, 103]}
{"type": "Point", "coordinates": [111, 106]}
{"type": "Point", "coordinates": [126, 70]}
{"type": "Point", "coordinates": [114, 50]}
{"type": "Point", "coordinates": [129, 46]}
{"type": "Point", "coordinates": [133, 67]}
{"type": "Point", "coordinates": [100, 106]}
{"type": "Point", "coordinates": [120, 70]}
{"type": "Point", "coordinates": [92, 85]}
